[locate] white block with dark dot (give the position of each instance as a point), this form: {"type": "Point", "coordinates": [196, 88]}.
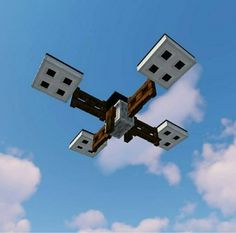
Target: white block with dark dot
{"type": "Point", "coordinates": [83, 142]}
{"type": "Point", "coordinates": [170, 134]}
{"type": "Point", "coordinates": [56, 78]}
{"type": "Point", "coordinates": [166, 62]}
{"type": "Point", "coordinates": [123, 123]}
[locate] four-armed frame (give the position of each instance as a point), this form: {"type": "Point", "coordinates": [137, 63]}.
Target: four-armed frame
{"type": "Point", "coordinates": [164, 64]}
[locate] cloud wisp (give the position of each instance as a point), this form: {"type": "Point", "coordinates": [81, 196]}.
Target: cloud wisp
{"type": "Point", "coordinates": [181, 104]}
{"type": "Point", "coordinates": [19, 179]}
{"type": "Point", "coordinates": [210, 223]}
{"type": "Point", "coordinates": [214, 174]}
{"type": "Point", "coordinates": [94, 221]}
{"type": "Point", "coordinates": [186, 210]}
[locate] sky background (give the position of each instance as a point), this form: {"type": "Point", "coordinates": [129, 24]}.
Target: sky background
{"type": "Point", "coordinates": [131, 187]}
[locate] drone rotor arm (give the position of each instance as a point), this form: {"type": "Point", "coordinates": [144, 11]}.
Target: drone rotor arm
{"type": "Point", "coordinates": [89, 104]}
{"type": "Point", "coordinates": [141, 97]}
{"type": "Point", "coordinates": [144, 131]}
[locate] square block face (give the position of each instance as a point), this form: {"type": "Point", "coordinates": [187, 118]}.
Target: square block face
{"type": "Point", "coordinates": [123, 123]}
{"type": "Point", "coordinates": [56, 78]}
{"type": "Point", "coordinates": [166, 62]}
{"type": "Point", "coordinates": [170, 134]}
{"type": "Point", "coordinates": [83, 142]}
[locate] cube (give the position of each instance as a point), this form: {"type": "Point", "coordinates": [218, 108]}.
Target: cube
{"type": "Point", "coordinates": [166, 62]}
{"type": "Point", "coordinates": [112, 100]}
{"type": "Point", "coordinates": [123, 123]}
{"type": "Point", "coordinates": [170, 134]}
{"type": "Point", "coordinates": [83, 143]}
{"type": "Point", "coordinates": [56, 78]}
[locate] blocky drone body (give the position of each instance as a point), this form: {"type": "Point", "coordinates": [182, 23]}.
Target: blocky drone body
{"type": "Point", "coordinates": [164, 64]}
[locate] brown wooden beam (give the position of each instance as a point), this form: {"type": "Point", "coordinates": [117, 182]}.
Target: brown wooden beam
{"type": "Point", "coordinates": [110, 120]}
{"type": "Point", "coordinates": [144, 131]}
{"type": "Point", "coordinates": [141, 97]}
{"type": "Point", "coordinates": [89, 104]}
{"type": "Point", "coordinates": [99, 138]}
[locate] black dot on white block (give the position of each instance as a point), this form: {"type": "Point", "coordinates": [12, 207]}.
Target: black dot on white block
{"type": "Point", "coordinates": [179, 65]}
{"type": "Point", "coordinates": [85, 141]}
{"type": "Point", "coordinates": [60, 92]}
{"type": "Point", "coordinates": [167, 132]}
{"type": "Point", "coordinates": [176, 137]}
{"type": "Point", "coordinates": [166, 77]}
{"type": "Point", "coordinates": [79, 147]}
{"type": "Point", "coordinates": [167, 144]}
{"type": "Point", "coordinates": [51, 72]}
{"type": "Point", "coordinates": [166, 55]}
{"type": "Point", "coordinates": [153, 69]}
{"type": "Point", "coordinates": [44, 84]}
{"type": "Point", "coordinates": [67, 81]}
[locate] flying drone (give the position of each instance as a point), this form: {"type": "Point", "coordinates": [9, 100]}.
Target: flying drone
{"type": "Point", "coordinates": [164, 64]}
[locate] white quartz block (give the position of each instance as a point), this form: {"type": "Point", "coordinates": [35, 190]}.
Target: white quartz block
{"type": "Point", "coordinates": [166, 62]}
{"type": "Point", "coordinates": [123, 123]}
{"type": "Point", "coordinates": [83, 143]}
{"type": "Point", "coordinates": [56, 78]}
{"type": "Point", "coordinates": [170, 134]}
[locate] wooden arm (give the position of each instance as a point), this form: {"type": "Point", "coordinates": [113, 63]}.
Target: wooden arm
{"type": "Point", "coordinates": [99, 138]}
{"type": "Point", "coordinates": [144, 131]}
{"type": "Point", "coordinates": [141, 97]}
{"type": "Point", "coordinates": [89, 104]}
{"type": "Point", "coordinates": [110, 120]}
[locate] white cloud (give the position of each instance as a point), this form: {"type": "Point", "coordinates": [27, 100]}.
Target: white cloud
{"type": "Point", "coordinates": [197, 225]}
{"type": "Point", "coordinates": [208, 224]}
{"type": "Point", "coordinates": [171, 172]}
{"type": "Point", "coordinates": [227, 226]}
{"type": "Point", "coordinates": [88, 220]}
{"type": "Point", "coordinates": [146, 225]}
{"type": "Point", "coordinates": [15, 151]}
{"type": "Point", "coordinates": [211, 223]}
{"type": "Point", "coordinates": [215, 173]}
{"type": "Point", "coordinates": [18, 181]}
{"type": "Point", "coordinates": [182, 103]}
{"type": "Point", "coordinates": [186, 210]}
{"type": "Point", "coordinates": [229, 127]}
{"type": "Point", "coordinates": [94, 221]}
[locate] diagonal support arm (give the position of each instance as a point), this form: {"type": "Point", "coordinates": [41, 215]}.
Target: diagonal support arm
{"type": "Point", "coordinates": [144, 131]}
{"type": "Point", "coordinates": [89, 104]}
{"type": "Point", "coordinates": [99, 138]}
{"type": "Point", "coordinates": [141, 97]}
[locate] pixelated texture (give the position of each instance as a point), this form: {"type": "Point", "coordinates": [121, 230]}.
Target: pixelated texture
{"type": "Point", "coordinates": [57, 79]}
{"type": "Point", "coordinates": [166, 62]}
{"type": "Point", "coordinates": [122, 122]}
{"type": "Point", "coordinates": [83, 143]}
{"type": "Point", "coordinates": [170, 134]}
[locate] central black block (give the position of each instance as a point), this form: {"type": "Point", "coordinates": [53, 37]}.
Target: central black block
{"type": "Point", "coordinates": [112, 100]}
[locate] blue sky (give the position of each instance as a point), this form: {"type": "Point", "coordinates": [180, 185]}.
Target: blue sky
{"type": "Point", "coordinates": [134, 187]}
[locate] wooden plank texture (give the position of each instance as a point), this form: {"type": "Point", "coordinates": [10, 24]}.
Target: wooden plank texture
{"type": "Point", "coordinates": [141, 97]}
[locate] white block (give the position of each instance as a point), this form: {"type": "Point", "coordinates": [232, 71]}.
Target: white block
{"type": "Point", "coordinates": [56, 78]}
{"type": "Point", "coordinates": [83, 142]}
{"type": "Point", "coordinates": [170, 134]}
{"type": "Point", "coordinates": [166, 62]}
{"type": "Point", "coordinates": [123, 123]}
